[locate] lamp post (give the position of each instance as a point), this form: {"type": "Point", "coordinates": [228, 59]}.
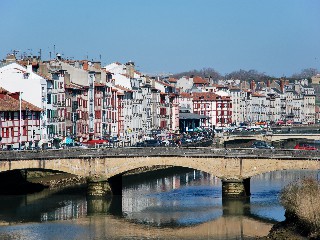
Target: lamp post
{"type": "Point", "coordinates": [20, 119]}
{"type": "Point", "coordinates": [27, 127]}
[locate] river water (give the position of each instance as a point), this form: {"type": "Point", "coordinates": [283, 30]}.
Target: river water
{"type": "Point", "coordinates": [179, 204]}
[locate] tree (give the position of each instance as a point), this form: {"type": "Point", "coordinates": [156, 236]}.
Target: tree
{"type": "Point", "coordinates": [244, 75]}
{"type": "Point", "coordinates": [306, 73]}
{"type": "Point", "coordinates": [204, 72]}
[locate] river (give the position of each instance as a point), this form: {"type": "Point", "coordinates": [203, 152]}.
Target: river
{"type": "Point", "coordinates": [180, 204]}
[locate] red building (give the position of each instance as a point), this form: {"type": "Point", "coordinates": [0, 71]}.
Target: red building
{"type": "Point", "coordinates": [218, 108]}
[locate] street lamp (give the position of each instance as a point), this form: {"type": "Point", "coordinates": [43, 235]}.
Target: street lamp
{"type": "Point", "coordinates": [27, 118]}
{"type": "Point", "coordinates": [20, 119]}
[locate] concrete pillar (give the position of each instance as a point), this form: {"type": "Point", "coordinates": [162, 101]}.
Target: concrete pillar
{"type": "Point", "coordinates": [98, 189]}
{"type": "Point", "coordinates": [235, 188]}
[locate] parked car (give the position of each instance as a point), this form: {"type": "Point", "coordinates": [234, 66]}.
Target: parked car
{"type": "Point", "coordinates": [152, 143]}
{"type": "Point", "coordinates": [94, 142]}
{"type": "Point", "coordinates": [303, 146]}
{"type": "Point", "coordinates": [149, 143]}
{"type": "Point", "coordinates": [261, 145]}
{"type": "Point", "coordinates": [74, 145]}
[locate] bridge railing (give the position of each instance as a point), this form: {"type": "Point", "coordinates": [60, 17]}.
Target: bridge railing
{"type": "Point", "coordinates": [206, 152]}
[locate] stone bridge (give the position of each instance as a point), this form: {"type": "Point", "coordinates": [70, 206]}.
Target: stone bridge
{"type": "Point", "coordinates": [271, 137]}
{"type": "Point", "coordinates": [235, 167]}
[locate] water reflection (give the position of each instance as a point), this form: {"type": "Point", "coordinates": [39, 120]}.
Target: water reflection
{"type": "Point", "coordinates": [187, 205]}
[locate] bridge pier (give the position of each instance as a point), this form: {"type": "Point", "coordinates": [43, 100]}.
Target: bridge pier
{"type": "Point", "coordinates": [98, 188]}
{"type": "Point", "coordinates": [235, 188]}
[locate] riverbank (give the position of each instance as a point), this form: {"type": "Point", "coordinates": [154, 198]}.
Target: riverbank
{"type": "Point", "coordinates": [301, 201]}
{"type": "Point", "coordinates": [285, 230]}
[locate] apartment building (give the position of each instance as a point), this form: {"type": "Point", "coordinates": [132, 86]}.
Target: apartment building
{"type": "Point", "coordinates": [32, 87]}
{"type": "Point", "coordinates": [217, 107]}
{"type": "Point", "coordinates": [19, 121]}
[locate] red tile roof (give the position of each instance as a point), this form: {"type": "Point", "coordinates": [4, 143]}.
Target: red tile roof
{"type": "Point", "coordinates": [208, 96]}
{"type": "Point", "coordinates": [122, 88]}
{"type": "Point", "coordinates": [73, 86]}
{"type": "Point", "coordinates": [199, 80]}
{"type": "Point", "coordinates": [10, 102]}
{"type": "Point", "coordinates": [257, 95]}
{"type": "Point", "coordinates": [185, 95]}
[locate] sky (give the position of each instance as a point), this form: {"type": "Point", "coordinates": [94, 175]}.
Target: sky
{"type": "Point", "coordinates": [275, 37]}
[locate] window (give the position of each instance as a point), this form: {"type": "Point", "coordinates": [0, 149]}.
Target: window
{"type": "Point", "coordinates": [48, 98]}
{"type": "Point", "coordinates": [24, 131]}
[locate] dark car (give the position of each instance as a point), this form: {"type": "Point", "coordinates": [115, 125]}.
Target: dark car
{"type": "Point", "coordinates": [261, 145]}
{"type": "Point", "coordinates": [152, 143]}
{"type": "Point", "coordinates": [149, 143]}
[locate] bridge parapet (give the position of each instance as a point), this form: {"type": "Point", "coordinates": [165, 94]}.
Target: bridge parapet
{"type": "Point", "coordinates": [159, 151]}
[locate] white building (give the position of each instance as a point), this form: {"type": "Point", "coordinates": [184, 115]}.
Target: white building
{"type": "Point", "coordinates": [16, 78]}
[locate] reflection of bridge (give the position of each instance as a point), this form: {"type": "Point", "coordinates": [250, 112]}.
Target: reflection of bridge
{"type": "Point", "coordinates": [234, 223]}
{"type": "Point", "coordinates": [271, 137]}
{"type": "Point", "coordinates": [234, 167]}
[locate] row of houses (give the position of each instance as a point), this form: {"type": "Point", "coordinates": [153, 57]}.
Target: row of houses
{"type": "Point", "coordinates": [59, 98]}
{"type": "Point", "coordinates": [252, 102]}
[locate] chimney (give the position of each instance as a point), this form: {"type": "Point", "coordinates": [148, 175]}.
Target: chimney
{"type": "Point", "coordinates": [85, 65]}
{"type": "Point", "coordinates": [130, 69]}
{"type": "Point", "coordinates": [281, 85]}
{"type": "Point", "coordinates": [97, 65]}
{"type": "Point", "coordinates": [252, 85]}
{"type": "Point", "coordinates": [268, 84]}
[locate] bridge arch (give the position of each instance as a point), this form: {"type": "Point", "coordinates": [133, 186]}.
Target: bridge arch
{"type": "Point", "coordinates": [232, 169]}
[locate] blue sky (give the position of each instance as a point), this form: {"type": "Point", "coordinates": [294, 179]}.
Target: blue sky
{"type": "Point", "coordinates": [278, 37]}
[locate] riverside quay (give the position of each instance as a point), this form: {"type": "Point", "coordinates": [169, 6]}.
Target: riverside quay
{"type": "Point", "coordinates": [104, 167]}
